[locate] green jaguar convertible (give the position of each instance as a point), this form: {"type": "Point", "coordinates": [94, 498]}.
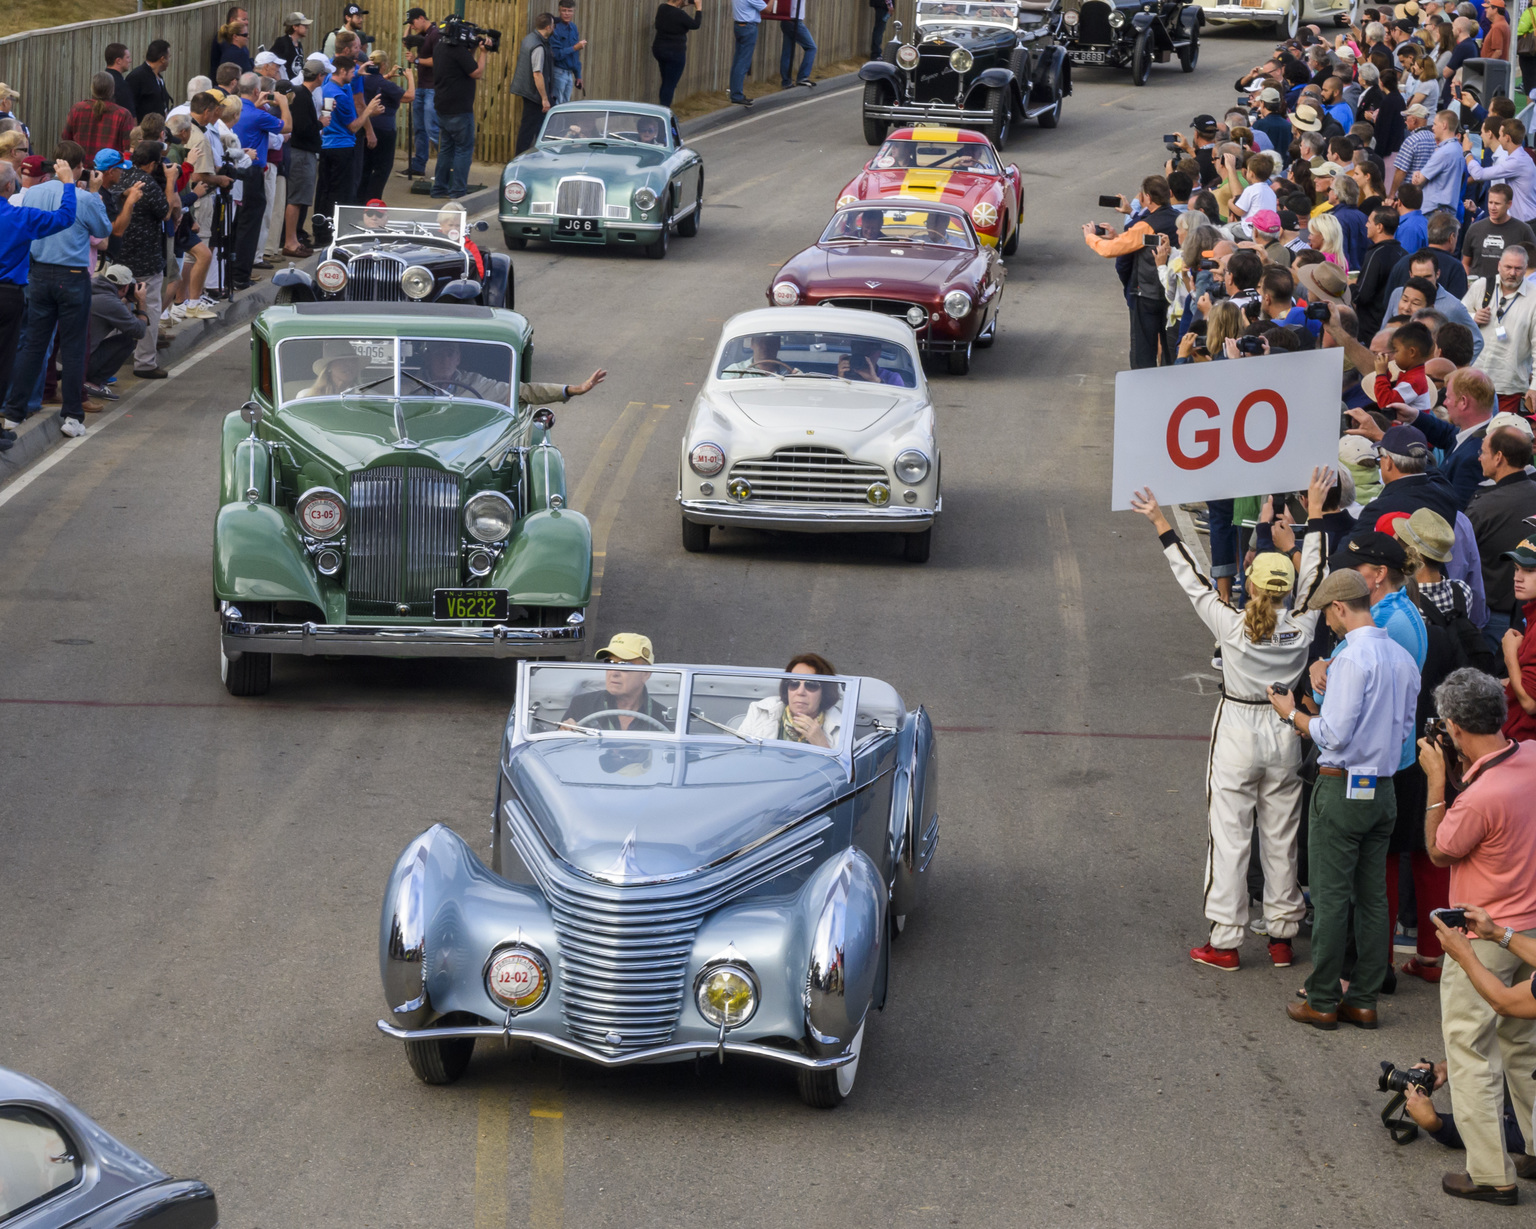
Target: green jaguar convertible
{"type": "Point", "coordinates": [391, 490]}
{"type": "Point", "coordinates": [604, 173]}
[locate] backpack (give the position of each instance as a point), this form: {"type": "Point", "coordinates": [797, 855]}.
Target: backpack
{"type": "Point", "coordinates": [1463, 638]}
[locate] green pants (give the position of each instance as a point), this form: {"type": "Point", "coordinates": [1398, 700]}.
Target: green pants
{"type": "Point", "coordinates": [1347, 852]}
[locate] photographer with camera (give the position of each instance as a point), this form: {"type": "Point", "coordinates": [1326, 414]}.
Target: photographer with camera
{"type": "Point", "coordinates": [1488, 839]}
{"type": "Point", "coordinates": [396, 87]}
{"type": "Point", "coordinates": [458, 62]}
{"type": "Point", "coordinates": [338, 143]}
{"type": "Point", "coordinates": [1138, 245]}
{"type": "Point", "coordinates": [253, 128]}
{"type": "Point", "coordinates": [530, 81]}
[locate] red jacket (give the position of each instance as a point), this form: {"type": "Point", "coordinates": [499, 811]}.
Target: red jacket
{"type": "Point", "coordinates": [1519, 724]}
{"type": "Point", "coordinates": [94, 133]}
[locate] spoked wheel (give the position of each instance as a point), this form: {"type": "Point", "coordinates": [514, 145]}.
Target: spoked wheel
{"type": "Point", "coordinates": [658, 250]}
{"type": "Point", "coordinates": [826, 1090]}
{"type": "Point", "coordinates": [1190, 56]}
{"type": "Point", "coordinates": [250, 674]}
{"type": "Point", "coordinates": [1000, 103]}
{"type": "Point", "coordinates": [874, 129]}
{"type": "Point", "coordinates": [1141, 59]}
{"type": "Point", "coordinates": [695, 537]}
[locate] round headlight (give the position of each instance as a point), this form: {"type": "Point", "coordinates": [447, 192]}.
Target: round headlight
{"type": "Point", "coordinates": [907, 56]}
{"type": "Point", "coordinates": [786, 294]}
{"type": "Point", "coordinates": [912, 467]}
{"type": "Point", "coordinates": [645, 200]}
{"type": "Point", "coordinates": [1069, 17]}
{"type": "Point", "coordinates": [961, 60]}
{"type": "Point", "coordinates": [726, 995]}
{"type": "Point", "coordinates": [321, 512]}
{"type": "Point", "coordinates": [517, 978]}
{"type": "Point", "coordinates": [878, 494]}
{"type": "Point", "coordinates": [706, 460]}
{"type": "Point", "coordinates": [958, 304]}
{"type": "Point", "coordinates": [489, 516]}
{"type": "Point", "coordinates": [416, 282]}
{"type": "Point", "coordinates": [1117, 19]}
{"type": "Point", "coordinates": [331, 276]}
{"type": "Point", "coordinates": [915, 316]}
{"type": "Point", "coordinates": [984, 215]}
{"type": "Point", "coordinates": [739, 489]}
{"type": "Point", "coordinates": [514, 192]}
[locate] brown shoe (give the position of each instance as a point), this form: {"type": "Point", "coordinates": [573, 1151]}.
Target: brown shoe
{"type": "Point", "coordinates": [1461, 1186]}
{"type": "Point", "coordinates": [1302, 1013]}
{"type": "Point", "coordinates": [1360, 1017]}
{"type": "Point", "coordinates": [299, 253]}
{"type": "Point", "coordinates": [1525, 1165]}
{"type": "Point", "coordinates": [92, 407]}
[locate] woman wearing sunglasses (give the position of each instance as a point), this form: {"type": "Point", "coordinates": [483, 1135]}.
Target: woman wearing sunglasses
{"type": "Point", "coordinates": [804, 711]}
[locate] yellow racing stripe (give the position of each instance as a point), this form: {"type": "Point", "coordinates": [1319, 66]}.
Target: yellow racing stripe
{"type": "Point", "coordinates": [925, 182]}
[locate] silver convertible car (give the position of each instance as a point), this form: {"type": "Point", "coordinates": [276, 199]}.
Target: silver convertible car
{"type": "Point", "coordinates": [671, 875]}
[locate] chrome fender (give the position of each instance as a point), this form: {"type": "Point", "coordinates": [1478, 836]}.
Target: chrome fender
{"type": "Point", "coordinates": [846, 949]}
{"type": "Point", "coordinates": [403, 935]}
{"type": "Point", "coordinates": [915, 816]}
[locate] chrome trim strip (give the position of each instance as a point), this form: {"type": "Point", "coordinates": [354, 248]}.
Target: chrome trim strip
{"type": "Point", "coordinates": [1273, 16]}
{"type": "Point", "coordinates": [573, 1049]}
{"type": "Point", "coordinates": [808, 520]}
{"type": "Point", "coordinates": [939, 111]}
{"type": "Point", "coordinates": [344, 640]}
{"type": "Point", "coordinates": [609, 224]}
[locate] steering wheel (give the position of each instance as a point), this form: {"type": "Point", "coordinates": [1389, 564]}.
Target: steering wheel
{"type": "Point", "coordinates": [625, 712]}
{"type": "Point", "coordinates": [768, 366]}
{"type": "Point", "coordinates": [452, 384]}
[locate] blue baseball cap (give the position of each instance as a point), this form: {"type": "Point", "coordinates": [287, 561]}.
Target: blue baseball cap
{"type": "Point", "coordinates": [110, 160]}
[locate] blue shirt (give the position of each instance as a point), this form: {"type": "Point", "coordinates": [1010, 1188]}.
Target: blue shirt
{"type": "Point", "coordinates": [21, 224]}
{"type": "Point", "coordinates": [72, 245]}
{"type": "Point", "coordinates": [1368, 707]}
{"type": "Point", "coordinates": [336, 134]}
{"type": "Point", "coordinates": [1341, 112]}
{"type": "Point", "coordinates": [748, 10]}
{"type": "Point", "coordinates": [562, 46]}
{"type": "Point", "coordinates": [253, 128]}
{"type": "Point", "coordinates": [1442, 178]}
{"type": "Point", "coordinates": [1396, 615]}
{"type": "Point", "coordinates": [1412, 231]}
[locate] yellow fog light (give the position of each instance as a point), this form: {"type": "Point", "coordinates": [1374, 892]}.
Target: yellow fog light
{"type": "Point", "coordinates": [878, 494]}
{"type": "Point", "coordinates": [726, 995]}
{"type": "Point", "coordinates": [739, 488]}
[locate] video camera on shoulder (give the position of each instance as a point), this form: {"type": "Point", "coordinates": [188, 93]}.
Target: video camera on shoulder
{"type": "Point", "coordinates": [460, 33]}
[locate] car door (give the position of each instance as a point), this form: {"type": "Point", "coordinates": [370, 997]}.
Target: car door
{"type": "Point", "coordinates": [41, 1168]}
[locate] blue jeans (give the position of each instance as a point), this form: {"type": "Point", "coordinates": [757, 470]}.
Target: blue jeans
{"type": "Point", "coordinates": [455, 151]}
{"type": "Point", "coordinates": [57, 297]}
{"type": "Point", "coordinates": [1493, 632]}
{"type": "Point", "coordinates": [671, 73]}
{"type": "Point", "coordinates": [564, 81]}
{"type": "Point", "coordinates": [746, 44]}
{"type": "Point", "coordinates": [424, 125]}
{"type": "Point", "coordinates": [1223, 537]}
{"type": "Point", "coordinates": [796, 34]}
{"type": "Point", "coordinates": [877, 34]}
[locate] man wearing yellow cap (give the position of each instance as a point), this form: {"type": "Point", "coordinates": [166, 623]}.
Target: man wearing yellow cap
{"type": "Point", "coordinates": [624, 703]}
{"type": "Point", "coordinates": [1252, 771]}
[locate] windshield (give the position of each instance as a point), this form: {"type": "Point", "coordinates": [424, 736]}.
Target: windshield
{"type": "Point", "coordinates": [311, 367]}
{"type": "Point", "coordinates": [937, 155]}
{"type": "Point", "coordinates": [965, 12]}
{"type": "Point", "coordinates": [938, 228]}
{"type": "Point", "coordinates": [588, 700]}
{"type": "Point", "coordinates": [801, 708]}
{"type": "Point", "coordinates": [359, 222]}
{"type": "Point", "coordinates": [868, 360]}
{"type": "Point", "coordinates": [596, 125]}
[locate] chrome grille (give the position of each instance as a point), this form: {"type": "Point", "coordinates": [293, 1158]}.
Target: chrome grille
{"type": "Point", "coordinates": [578, 197]}
{"type": "Point", "coordinates": [1093, 24]}
{"type": "Point", "coordinates": [402, 535]}
{"type": "Point", "coordinates": [374, 277]}
{"type": "Point", "coordinates": [624, 948]}
{"type": "Point", "coordinates": [805, 475]}
{"type": "Point", "coordinates": [886, 307]}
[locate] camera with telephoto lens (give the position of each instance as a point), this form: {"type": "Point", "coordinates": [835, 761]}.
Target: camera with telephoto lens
{"type": "Point", "coordinates": [1398, 1081]}
{"type": "Point", "coordinates": [460, 33]}
{"type": "Point", "coordinates": [1250, 345]}
{"type": "Point", "coordinates": [413, 42]}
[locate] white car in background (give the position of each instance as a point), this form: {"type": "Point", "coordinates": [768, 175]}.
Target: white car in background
{"type": "Point", "coordinates": [1284, 17]}
{"type": "Point", "coordinates": [813, 420]}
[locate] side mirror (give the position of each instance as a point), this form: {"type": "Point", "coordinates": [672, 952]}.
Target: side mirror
{"type": "Point", "coordinates": [544, 418]}
{"type": "Point", "coordinates": [251, 412]}
{"type": "Point", "coordinates": [482, 226]}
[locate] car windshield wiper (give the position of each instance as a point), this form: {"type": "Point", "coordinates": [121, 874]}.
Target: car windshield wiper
{"type": "Point", "coordinates": [746, 738]}
{"type": "Point", "coordinates": [441, 392]}
{"type": "Point", "coordinates": [565, 725]}
{"type": "Point", "coordinates": [363, 388]}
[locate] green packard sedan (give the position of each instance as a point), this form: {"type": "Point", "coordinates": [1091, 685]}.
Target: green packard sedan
{"type": "Point", "coordinates": [604, 173]}
{"type": "Point", "coordinates": [390, 490]}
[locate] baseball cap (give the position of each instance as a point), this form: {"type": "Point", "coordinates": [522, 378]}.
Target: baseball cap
{"type": "Point", "coordinates": [109, 160]}
{"type": "Point", "coordinates": [297, 19]}
{"type": "Point", "coordinates": [627, 646]}
{"type": "Point", "coordinates": [1505, 419]}
{"type": "Point", "coordinates": [1417, 111]}
{"type": "Point", "coordinates": [217, 95]}
{"type": "Point", "coordinates": [263, 58]}
{"type": "Point", "coordinates": [1287, 219]}
{"type": "Point", "coordinates": [1203, 124]}
{"type": "Point", "coordinates": [375, 203]}
{"type": "Point", "coordinates": [1307, 119]}
{"type": "Point", "coordinates": [1372, 547]}
{"type": "Point", "coordinates": [118, 275]}
{"type": "Point", "coordinates": [1266, 220]}
{"type": "Point", "coordinates": [1269, 94]}
{"type": "Point", "coordinates": [1357, 450]}
{"type": "Point", "coordinates": [1524, 555]}
{"type": "Point", "coordinates": [1344, 586]}
{"type": "Point", "coordinates": [1271, 572]}
{"type": "Point", "coordinates": [32, 165]}
{"type": "Point", "coordinates": [1387, 522]}
{"type": "Point", "coordinates": [412, 14]}
{"type": "Point", "coordinates": [1429, 534]}
{"type": "Point", "coordinates": [320, 58]}
{"type": "Point", "coordinates": [1345, 53]}
{"type": "Point", "coordinates": [352, 10]}
{"type": "Point", "coordinates": [1404, 441]}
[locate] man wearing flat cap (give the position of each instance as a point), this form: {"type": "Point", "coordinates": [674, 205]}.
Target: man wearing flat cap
{"type": "Point", "coordinates": [1366, 718]}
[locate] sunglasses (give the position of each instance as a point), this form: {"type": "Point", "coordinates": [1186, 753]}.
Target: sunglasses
{"type": "Point", "coordinates": [803, 685]}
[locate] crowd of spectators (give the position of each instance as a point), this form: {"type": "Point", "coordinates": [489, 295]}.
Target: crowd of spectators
{"type": "Point", "coordinates": [1372, 631]}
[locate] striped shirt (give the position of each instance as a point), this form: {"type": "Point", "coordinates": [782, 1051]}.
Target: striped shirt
{"type": "Point", "coordinates": [1413, 154]}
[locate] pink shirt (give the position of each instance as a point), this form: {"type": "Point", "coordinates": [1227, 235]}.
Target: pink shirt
{"type": "Point", "coordinates": [1491, 830]}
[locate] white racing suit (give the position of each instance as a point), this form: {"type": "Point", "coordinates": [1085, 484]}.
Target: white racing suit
{"type": "Point", "coordinates": [1253, 761]}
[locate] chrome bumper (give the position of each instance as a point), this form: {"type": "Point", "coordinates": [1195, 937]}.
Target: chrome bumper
{"type": "Point", "coordinates": [546, 223]}
{"type": "Point", "coordinates": [808, 520]}
{"type": "Point", "coordinates": [347, 640]}
{"type": "Point", "coordinates": [573, 1049]}
{"type": "Point", "coordinates": [1236, 12]}
{"type": "Point", "coordinates": [949, 113]}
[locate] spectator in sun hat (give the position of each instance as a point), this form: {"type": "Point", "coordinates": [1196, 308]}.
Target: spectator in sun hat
{"type": "Point", "coordinates": [289, 46]}
{"type": "Point", "coordinates": [7, 97]}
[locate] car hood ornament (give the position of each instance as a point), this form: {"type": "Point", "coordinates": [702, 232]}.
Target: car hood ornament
{"type": "Point", "coordinates": [872, 285]}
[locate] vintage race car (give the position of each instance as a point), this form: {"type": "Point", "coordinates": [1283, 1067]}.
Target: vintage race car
{"type": "Point", "coordinates": [604, 173]}
{"type": "Point", "coordinates": [1280, 15]}
{"type": "Point", "coordinates": [380, 254]}
{"type": "Point", "coordinates": [952, 165]}
{"type": "Point", "coordinates": [670, 876]}
{"type": "Point", "coordinates": [390, 490]}
{"type": "Point", "coordinates": [58, 1168]}
{"type": "Point", "coordinates": [921, 262]}
{"type": "Point", "coordinates": [971, 64]}
{"type": "Point", "coordinates": [1133, 34]}
{"type": "Point", "coordinates": [813, 420]}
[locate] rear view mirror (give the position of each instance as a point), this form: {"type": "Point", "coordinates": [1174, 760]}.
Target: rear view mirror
{"type": "Point", "coordinates": [482, 226]}
{"type": "Point", "coordinates": [544, 418]}
{"type": "Point", "coordinates": [250, 412]}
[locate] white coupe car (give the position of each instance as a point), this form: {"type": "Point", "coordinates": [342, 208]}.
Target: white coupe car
{"type": "Point", "coordinates": [813, 420]}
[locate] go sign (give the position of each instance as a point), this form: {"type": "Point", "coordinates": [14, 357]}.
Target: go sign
{"type": "Point", "coordinates": [1222, 430]}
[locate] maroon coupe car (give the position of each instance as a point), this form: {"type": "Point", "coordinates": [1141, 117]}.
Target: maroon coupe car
{"type": "Point", "coordinates": [919, 261]}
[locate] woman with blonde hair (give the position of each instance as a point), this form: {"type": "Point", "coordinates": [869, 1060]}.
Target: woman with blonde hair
{"type": "Point", "coordinates": [1252, 770]}
{"type": "Point", "coordinates": [1326, 236]}
{"type": "Point", "coordinates": [14, 147]}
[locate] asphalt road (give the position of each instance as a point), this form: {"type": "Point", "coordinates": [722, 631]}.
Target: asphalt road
{"type": "Point", "coordinates": [190, 884]}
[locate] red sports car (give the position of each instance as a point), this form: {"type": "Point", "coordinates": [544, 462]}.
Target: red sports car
{"type": "Point", "coordinates": [922, 262]}
{"type": "Point", "coordinates": [954, 166]}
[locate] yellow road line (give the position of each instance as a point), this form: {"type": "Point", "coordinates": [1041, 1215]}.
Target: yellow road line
{"type": "Point", "coordinates": [601, 459]}
{"type": "Point", "coordinates": [602, 523]}
{"type": "Point", "coordinates": [547, 1185]}
{"type": "Point", "coordinates": [492, 1149]}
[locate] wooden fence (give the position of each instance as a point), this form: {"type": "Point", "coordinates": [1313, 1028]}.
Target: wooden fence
{"type": "Point", "coordinates": [52, 68]}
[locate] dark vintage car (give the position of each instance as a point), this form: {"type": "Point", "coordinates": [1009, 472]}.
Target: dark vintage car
{"type": "Point", "coordinates": [1133, 34]}
{"type": "Point", "coordinates": [380, 254]}
{"type": "Point", "coordinates": [917, 260]}
{"type": "Point", "coordinates": [58, 1168]}
{"type": "Point", "coordinates": [971, 64]}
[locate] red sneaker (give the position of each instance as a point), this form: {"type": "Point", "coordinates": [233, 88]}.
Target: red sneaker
{"type": "Point", "coordinates": [1280, 954]}
{"type": "Point", "coordinates": [1429, 972]}
{"type": "Point", "coordinates": [1223, 958]}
